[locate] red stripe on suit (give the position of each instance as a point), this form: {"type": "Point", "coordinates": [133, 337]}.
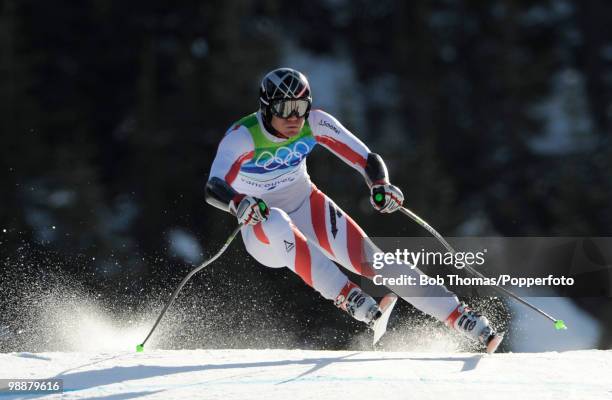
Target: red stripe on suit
{"type": "Point", "coordinates": [302, 256]}
{"type": "Point", "coordinates": [317, 210]}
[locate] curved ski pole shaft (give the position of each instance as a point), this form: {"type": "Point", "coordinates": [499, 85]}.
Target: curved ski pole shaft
{"type": "Point", "coordinates": [431, 230]}
{"type": "Point", "coordinates": [184, 281]}
{"type": "Point", "coordinates": [428, 227]}
{"type": "Point", "coordinates": [424, 224]}
{"type": "Point", "coordinates": [509, 293]}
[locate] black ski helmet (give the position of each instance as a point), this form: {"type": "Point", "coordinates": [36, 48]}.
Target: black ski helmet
{"type": "Point", "coordinates": [282, 83]}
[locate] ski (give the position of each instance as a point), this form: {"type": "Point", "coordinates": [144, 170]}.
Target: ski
{"type": "Point", "coordinates": [386, 307]}
{"type": "Point", "coordinates": [494, 342]}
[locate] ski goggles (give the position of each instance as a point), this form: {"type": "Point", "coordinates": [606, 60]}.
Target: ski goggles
{"type": "Point", "coordinates": [285, 108]}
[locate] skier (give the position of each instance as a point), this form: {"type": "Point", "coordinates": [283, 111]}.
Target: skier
{"type": "Point", "coordinates": [259, 175]}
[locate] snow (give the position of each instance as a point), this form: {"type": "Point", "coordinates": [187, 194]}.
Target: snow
{"type": "Point", "coordinates": [567, 124]}
{"type": "Point", "coordinates": [532, 333]}
{"type": "Point", "coordinates": [300, 374]}
{"type": "Point", "coordinates": [185, 246]}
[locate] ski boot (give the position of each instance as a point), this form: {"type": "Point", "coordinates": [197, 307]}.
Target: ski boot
{"type": "Point", "coordinates": [363, 307]}
{"type": "Point", "coordinates": [358, 304]}
{"type": "Point", "coordinates": [475, 326]}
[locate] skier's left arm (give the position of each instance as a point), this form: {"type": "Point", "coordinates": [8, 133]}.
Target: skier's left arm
{"type": "Point", "coordinates": [330, 133]}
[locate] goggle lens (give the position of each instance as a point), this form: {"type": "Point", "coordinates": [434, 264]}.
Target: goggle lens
{"type": "Point", "coordinates": [286, 108]}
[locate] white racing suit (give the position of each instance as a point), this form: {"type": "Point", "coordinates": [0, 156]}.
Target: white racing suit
{"type": "Point", "coordinates": [306, 231]}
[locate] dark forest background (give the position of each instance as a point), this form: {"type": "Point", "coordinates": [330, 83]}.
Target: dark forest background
{"type": "Point", "coordinates": [495, 118]}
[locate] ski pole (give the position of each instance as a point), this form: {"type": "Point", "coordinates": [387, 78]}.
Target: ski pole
{"type": "Point", "coordinates": [140, 347]}
{"type": "Point", "coordinates": [559, 324]}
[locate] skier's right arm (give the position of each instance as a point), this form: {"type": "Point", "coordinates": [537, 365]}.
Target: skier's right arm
{"type": "Point", "coordinates": [235, 148]}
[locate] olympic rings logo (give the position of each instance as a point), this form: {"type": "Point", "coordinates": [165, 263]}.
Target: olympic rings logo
{"type": "Point", "coordinates": [283, 156]}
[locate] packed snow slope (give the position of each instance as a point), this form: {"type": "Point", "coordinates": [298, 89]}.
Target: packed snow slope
{"type": "Point", "coordinates": [299, 374]}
